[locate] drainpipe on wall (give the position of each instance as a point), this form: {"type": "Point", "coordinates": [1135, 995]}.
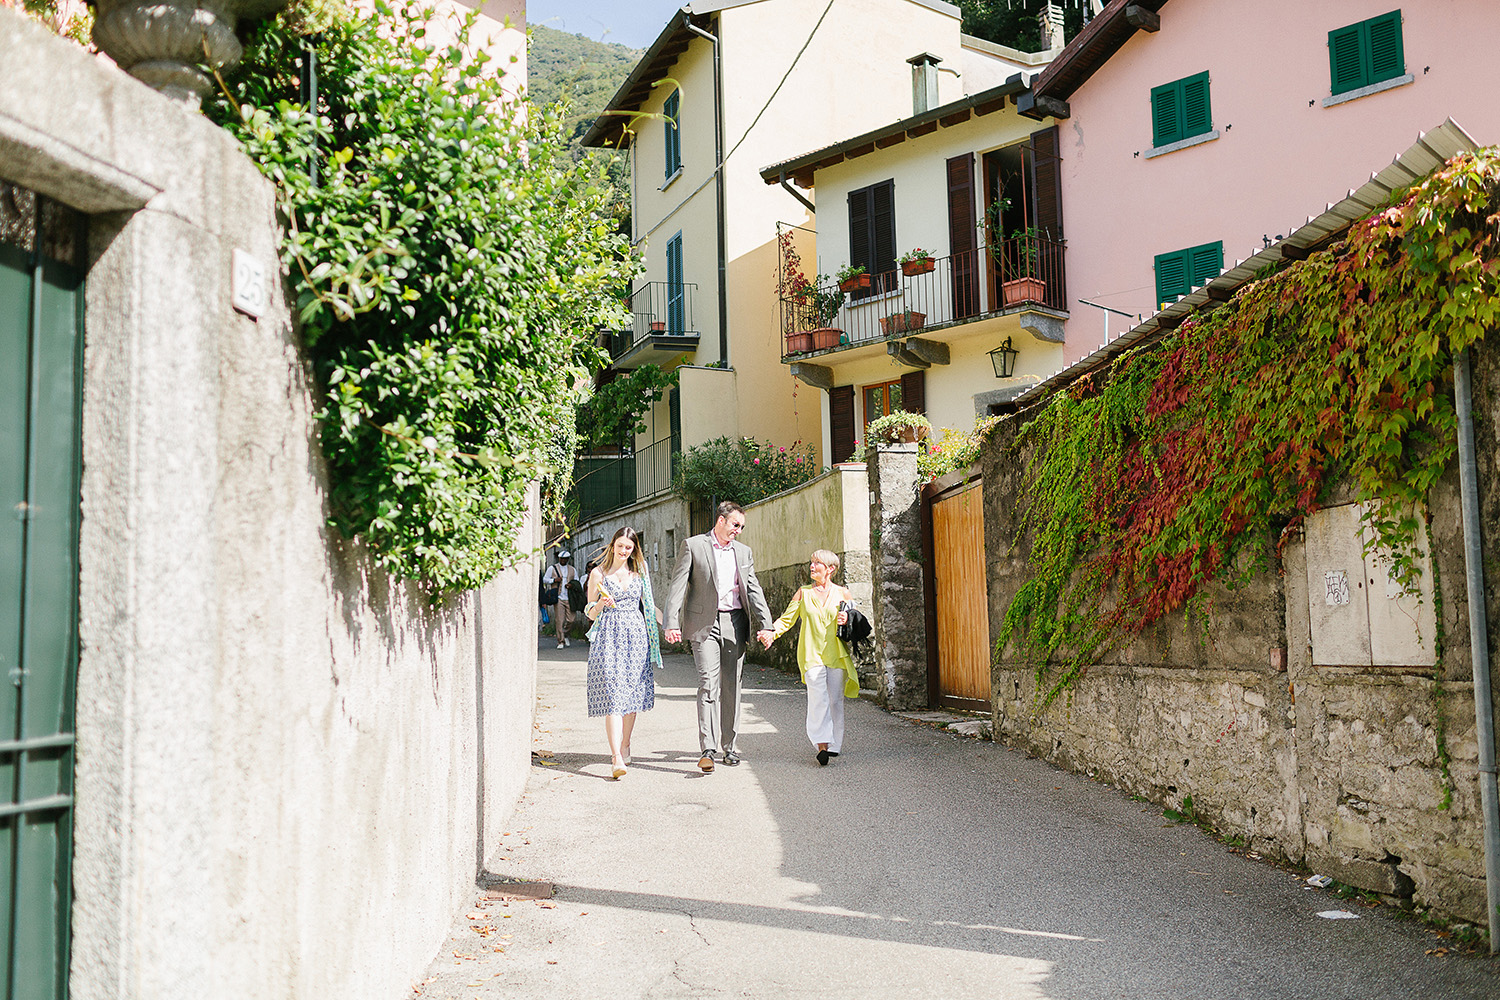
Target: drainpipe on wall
{"type": "Point", "coordinates": [719, 192]}
{"type": "Point", "coordinates": [1479, 641]}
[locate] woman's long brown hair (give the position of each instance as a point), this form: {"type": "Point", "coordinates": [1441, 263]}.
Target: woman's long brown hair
{"type": "Point", "coordinates": [637, 560]}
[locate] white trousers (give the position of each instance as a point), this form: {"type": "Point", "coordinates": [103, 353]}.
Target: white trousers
{"type": "Point", "coordinates": [825, 706]}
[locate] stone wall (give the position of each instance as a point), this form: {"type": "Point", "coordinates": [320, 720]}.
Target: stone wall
{"type": "Point", "coordinates": [900, 637]}
{"type": "Point", "coordinates": [290, 767]}
{"type": "Point", "coordinates": [1334, 766]}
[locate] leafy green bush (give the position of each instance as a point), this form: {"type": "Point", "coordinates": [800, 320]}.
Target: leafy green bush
{"type": "Point", "coordinates": [616, 411]}
{"type": "Point", "coordinates": [743, 471]}
{"type": "Point", "coordinates": [954, 450]}
{"type": "Point", "coordinates": [448, 276]}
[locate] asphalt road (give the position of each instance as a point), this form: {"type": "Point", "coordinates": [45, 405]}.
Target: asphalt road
{"type": "Point", "coordinates": [918, 864]}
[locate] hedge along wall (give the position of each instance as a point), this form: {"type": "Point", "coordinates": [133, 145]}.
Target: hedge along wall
{"type": "Point", "coordinates": [1148, 575]}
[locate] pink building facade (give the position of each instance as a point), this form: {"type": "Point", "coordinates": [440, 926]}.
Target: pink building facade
{"type": "Point", "coordinates": [1198, 124]}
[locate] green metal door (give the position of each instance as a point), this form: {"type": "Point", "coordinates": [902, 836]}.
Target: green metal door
{"type": "Point", "coordinates": [40, 354]}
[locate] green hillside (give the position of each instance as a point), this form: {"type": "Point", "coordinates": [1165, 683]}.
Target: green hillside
{"type": "Point", "coordinates": [586, 73]}
{"type": "Point", "coordinates": [580, 69]}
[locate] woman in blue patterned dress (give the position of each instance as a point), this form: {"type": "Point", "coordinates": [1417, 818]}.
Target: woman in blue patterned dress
{"type": "Point", "coordinates": [623, 645]}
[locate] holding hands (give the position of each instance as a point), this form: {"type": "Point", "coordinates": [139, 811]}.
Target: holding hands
{"type": "Point", "coordinates": [764, 637]}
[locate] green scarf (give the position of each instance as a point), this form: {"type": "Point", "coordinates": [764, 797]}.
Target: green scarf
{"type": "Point", "coordinates": [648, 608]}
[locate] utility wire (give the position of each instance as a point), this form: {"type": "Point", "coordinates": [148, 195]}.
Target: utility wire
{"type": "Point", "coordinates": [784, 77]}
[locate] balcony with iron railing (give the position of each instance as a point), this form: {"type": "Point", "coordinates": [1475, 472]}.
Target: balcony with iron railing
{"type": "Point", "coordinates": [662, 325]}
{"type": "Point", "coordinates": [602, 483]}
{"type": "Point", "coordinates": [1009, 276]}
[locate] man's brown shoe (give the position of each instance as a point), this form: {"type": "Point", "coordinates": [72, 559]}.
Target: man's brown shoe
{"type": "Point", "coordinates": [706, 762]}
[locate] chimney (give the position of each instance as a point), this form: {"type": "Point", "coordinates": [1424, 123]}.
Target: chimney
{"type": "Point", "coordinates": [924, 82]}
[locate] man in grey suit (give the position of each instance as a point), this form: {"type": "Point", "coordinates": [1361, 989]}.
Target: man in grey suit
{"type": "Point", "coordinates": [713, 593]}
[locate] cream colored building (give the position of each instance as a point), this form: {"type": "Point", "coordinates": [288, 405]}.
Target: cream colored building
{"type": "Point", "coordinates": [751, 82]}
{"type": "Point", "coordinates": [975, 186]}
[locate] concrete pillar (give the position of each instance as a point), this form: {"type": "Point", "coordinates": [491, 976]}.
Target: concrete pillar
{"type": "Point", "coordinates": [900, 617]}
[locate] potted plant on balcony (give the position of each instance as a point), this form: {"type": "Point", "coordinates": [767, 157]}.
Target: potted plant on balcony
{"type": "Point", "coordinates": [916, 261]}
{"type": "Point", "coordinates": [899, 427]}
{"type": "Point", "coordinates": [852, 279]}
{"type": "Point", "coordinates": [1026, 251]}
{"type": "Point", "coordinates": [906, 319]}
{"type": "Point", "coordinates": [658, 326]}
{"type": "Point", "coordinates": [815, 304]}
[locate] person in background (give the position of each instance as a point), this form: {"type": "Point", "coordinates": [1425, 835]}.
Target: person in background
{"type": "Point", "coordinates": [826, 666]}
{"type": "Point", "coordinates": [623, 645]}
{"type": "Point", "coordinates": [559, 575]}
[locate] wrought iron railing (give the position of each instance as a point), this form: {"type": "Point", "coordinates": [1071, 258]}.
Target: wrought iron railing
{"type": "Point", "coordinates": [1023, 270]}
{"type": "Point", "coordinates": [657, 309]}
{"type": "Point", "coordinates": [603, 483]}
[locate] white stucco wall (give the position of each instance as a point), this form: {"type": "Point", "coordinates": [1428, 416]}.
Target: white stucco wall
{"type": "Point", "coordinates": [1284, 158]}
{"type": "Point", "coordinates": [290, 766]}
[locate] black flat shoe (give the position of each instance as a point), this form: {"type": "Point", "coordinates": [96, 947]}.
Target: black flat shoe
{"type": "Point", "coordinates": [732, 758]}
{"type": "Point", "coordinates": [831, 753]}
{"type": "Point", "coordinates": [823, 756]}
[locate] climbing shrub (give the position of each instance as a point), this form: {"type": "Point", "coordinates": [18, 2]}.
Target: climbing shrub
{"type": "Point", "coordinates": [448, 271]}
{"type": "Point", "coordinates": [1185, 462]}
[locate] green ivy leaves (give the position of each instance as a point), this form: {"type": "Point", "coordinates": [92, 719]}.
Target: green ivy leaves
{"type": "Point", "coordinates": [450, 269]}
{"type": "Point", "coordinates": [1183, 462]}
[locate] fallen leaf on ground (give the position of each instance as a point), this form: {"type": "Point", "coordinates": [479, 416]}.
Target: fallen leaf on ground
{"type": "Point", "coordinates": [1436, 952]}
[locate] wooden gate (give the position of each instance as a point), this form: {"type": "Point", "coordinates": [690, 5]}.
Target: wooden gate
{"type": "Point", "coordinates": [40, 347]}
{"type": "Point", "coordinates": [958, 626]}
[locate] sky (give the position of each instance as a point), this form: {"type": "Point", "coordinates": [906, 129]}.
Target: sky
{"type": "Point", "coordinates": [635, 23]}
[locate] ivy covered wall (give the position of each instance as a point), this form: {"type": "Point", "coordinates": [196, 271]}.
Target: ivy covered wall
{"type": "Point", "coordinates": [1148, 569]}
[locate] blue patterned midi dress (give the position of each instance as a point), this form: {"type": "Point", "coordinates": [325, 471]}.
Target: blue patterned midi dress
{"type": "Point", "coordinates": [620, 680]}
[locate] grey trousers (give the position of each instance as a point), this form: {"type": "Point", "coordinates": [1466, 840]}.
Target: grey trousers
{"type": "Point", "coordinates": [720, 658]}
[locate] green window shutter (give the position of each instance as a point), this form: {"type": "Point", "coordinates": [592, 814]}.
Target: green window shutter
{"type": "Point", "coordinates": [676, 320]}
{"type": "Point", "coordinates": [1365, 53]}
{"type": "Point", "coordinates": [1205, 263]}
{"type": "Point", "coordinates": [673, 132]}
{"type": "Point", "coordinates": [1387, 60]}
{"type": "Point", "coordinates": [1171, 276]}
{"type": "Point", "coordinates": [1180, 110]}
{"type": "Point", "coordinates": [1196, 116]}
{"type": "Point", "coordinates": [1166, 114]}
{"type": "Point", "coordinates": [1346, 64]}
{"type": "Point", "coordinates": [1181, 271]}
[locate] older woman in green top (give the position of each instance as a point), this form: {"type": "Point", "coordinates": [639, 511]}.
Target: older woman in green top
{"type": "Point", "coordinates": [824, 660]}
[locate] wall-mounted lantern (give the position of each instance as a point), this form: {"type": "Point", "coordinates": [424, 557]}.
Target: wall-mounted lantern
{"type": "Point", "coordinates": [1004, 359]}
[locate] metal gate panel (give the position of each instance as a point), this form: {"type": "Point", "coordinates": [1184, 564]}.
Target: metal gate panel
{"type": "Point", "coordinates": [40, 347]}
{"type": "Point", "coordinates": [15, 366]}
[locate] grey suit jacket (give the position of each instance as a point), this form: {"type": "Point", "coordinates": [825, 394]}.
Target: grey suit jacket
{"type": "Point", "coordinates": [693, 597]}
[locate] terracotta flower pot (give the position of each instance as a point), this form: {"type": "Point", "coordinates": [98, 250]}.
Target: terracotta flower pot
{"type": "Point", "coordinates": [658, 327]}
{"type": "Point", "coordinates": [797, 343]}
{"type": "Point", "coordinates": [902, 321]}
{"type": "Point", "coordinates": [921, 265]}
{"type": "Point", "coordinates": [1023, 290]}
{"type": "Point", "coordinates": [825, 337]}
{"type": "Point", "coordinates": [854, 284]}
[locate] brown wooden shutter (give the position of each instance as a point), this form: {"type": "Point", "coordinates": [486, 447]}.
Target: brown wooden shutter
{"type": "Point", "coordinates": [859, 230]}
{"type": "Point", "coordinates": [961, 233]}
{"type": "Point", "coordinates": [841, 422]}
{"type": "Point", "coordinates": [1047, 183]}
{"type": "Point", "coordinates": [883, 227]}
{"type": "Point", "coordinates": [914, 392]}
{"type": "Point", "coordinates": [1046, 172]}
